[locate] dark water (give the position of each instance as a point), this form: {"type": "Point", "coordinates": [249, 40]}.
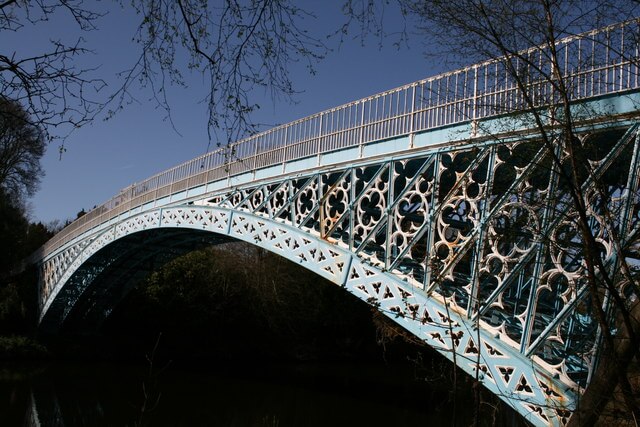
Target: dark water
{"type": "Point", "coordinates": [299, 395]}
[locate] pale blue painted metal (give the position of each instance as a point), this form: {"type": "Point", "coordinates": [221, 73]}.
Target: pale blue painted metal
{"type": "Point", "coordinates": [437, 210]}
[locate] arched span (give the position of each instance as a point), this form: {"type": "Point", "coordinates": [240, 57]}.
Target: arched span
{"type": "Point", "coordinates": [91, 292]}
{"type": "Point", "coordinates": [528, 388]}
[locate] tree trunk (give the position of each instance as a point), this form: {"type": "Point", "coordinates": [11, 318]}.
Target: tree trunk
{"type": "Point", "coordinates": [600, 391]}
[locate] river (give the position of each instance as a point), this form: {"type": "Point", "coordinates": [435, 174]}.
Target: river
{"type": "Point", "coordinates": [91, 394]}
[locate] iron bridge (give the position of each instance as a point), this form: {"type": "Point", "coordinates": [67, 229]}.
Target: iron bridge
{"type": "Point", "coordinates": [436, 202]}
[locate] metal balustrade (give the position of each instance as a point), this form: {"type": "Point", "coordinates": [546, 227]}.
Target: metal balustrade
{"type": "Point", "coordinates": [596, 63]}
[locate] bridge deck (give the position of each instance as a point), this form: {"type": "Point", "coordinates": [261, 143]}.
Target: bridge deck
{"type": "Point", "coordinates": [467, 95]}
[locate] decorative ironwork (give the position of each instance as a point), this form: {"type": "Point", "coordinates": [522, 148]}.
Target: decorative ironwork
{"type": "Point", "coordinates": [453, 244]}
{"type": "Point", "coordinates": [477, 92]}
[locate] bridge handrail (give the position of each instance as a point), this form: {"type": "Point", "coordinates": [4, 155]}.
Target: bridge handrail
{"type": "Point", "coordinates": [601, 62]}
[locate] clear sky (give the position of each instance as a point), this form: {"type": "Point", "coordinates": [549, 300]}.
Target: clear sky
{"type": "Point", "coordinates": [106, 156]}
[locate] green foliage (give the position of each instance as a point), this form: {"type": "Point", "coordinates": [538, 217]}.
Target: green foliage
{"type": "Point", "coordinates": [237, 301]}
{"type": "Point", "coordinates": [21, 348]}
{"type": "Point", "coordinates": [192, 289]}
{"type": "Point", "coordinates": [37, 235]}
{"type": "Point", "coordinates": [10, 304]}
{"type": "Point", "coordinates": [19, 304]}
{"type": "Point", "coordinates": [22, 145]}
{"type": "Point", "coordinates": [13, 232]}
{"type": "Point", "coordinates": [18, 239]}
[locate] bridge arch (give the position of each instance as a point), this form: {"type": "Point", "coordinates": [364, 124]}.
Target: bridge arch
{"type": "Point", "coordinates": [106, 276]}
{"type": "Point", "coordinates": [433, 319]}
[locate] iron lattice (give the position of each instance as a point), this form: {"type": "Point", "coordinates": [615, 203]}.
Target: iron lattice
{"type": "Point", "coordinates": [472, 248]}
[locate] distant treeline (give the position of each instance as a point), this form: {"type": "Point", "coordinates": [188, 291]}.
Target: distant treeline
{"type": "Point", "coordinates": [236, 302]}
{"type": "Point", "coordinates": [18, 292]}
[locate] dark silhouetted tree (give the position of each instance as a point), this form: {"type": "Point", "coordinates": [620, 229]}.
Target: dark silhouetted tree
{"type": "Point", "coordinates": [22, 145]}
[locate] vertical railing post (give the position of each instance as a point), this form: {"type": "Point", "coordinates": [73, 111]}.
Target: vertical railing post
{"type": "Point", "coordinates": [474, 106]}
{"type": "Point", "coordinates": [255, 157]}
{"type": "Point", "coordinates": [412, 115]}
{"type": "Point", "coordinates": [173, 180]}
{"type": "Point", "coordinates": [155, 191]}
{"type": "Point", "coordinates": [361, 139]}
{"type": "Point", "coordinates": [227, 163]}
{"type": "Point", "coordinates": [319, 139]}
{"type": "Point", "coordinates": [634, 64]}
{"type": "Point", "coordinates": [285, 149]}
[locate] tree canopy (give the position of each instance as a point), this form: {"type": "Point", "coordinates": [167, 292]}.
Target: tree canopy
{"type": "Point", "coordinates": [22, 145]}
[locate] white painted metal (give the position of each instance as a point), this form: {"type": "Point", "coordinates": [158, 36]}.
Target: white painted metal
{"type": "Point", "coordinates": [476, 92]}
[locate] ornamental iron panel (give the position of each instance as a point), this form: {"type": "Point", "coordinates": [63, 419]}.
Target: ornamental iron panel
{"type": "Point", "coordinates": [473, 248]}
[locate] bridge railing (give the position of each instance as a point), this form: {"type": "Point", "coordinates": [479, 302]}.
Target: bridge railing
{"type": "Point", "coordinates": [600, 62]}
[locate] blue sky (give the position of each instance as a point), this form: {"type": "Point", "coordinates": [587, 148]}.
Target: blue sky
{"type": "Point", "coordinates": [106, 156]}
